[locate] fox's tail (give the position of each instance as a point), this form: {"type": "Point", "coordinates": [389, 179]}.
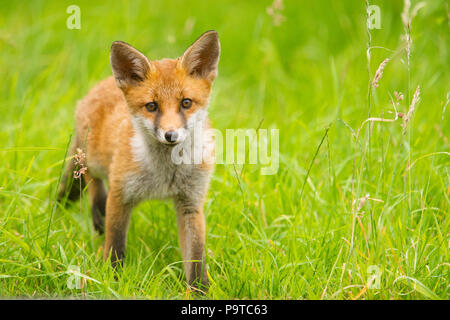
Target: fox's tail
{"type": "Point", "coordinates": [68, 188]}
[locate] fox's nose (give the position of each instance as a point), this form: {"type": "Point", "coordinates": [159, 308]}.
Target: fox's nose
{"type": "Point", "coordinates": [171, 136]}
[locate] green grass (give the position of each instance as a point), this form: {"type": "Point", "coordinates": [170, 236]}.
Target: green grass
{"type": "Point", "coordinates": [294, 235]}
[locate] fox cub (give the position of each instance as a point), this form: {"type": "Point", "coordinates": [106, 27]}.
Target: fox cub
{"type": "Point", "coordinates": [128, 125]}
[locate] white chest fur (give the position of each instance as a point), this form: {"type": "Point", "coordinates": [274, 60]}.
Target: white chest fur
{"type": "Point", "coordinates": [159, 177]}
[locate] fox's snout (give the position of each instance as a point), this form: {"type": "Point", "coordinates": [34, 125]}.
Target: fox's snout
{"type": "Point", "coordinates": [169, 124]}
{"type": "Point", "coordinates": [171, 136]}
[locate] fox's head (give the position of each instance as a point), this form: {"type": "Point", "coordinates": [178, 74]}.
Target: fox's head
{"type": "Point", "coordinates": [167, 98]}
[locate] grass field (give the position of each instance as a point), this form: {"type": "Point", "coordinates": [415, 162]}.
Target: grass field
{"type": "Point", "coordinates": [352, 199]}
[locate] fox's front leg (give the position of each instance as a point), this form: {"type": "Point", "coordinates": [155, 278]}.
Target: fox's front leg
{"type": "Point", "coordinates": [117, 221]}
{"type": "Point", "coordinates": [191, 231]}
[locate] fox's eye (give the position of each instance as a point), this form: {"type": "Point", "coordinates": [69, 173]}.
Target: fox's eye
{"type": "Point", "coordinates": [186, 103]}
{"type": "Point", "coordinates": [151, 106]}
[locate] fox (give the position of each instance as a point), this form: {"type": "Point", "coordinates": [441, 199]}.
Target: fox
{"type": "Point", "coordinates": [128, 125]}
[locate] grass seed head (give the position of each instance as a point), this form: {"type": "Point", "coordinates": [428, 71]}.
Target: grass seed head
{"type": "Point", "coordinates": [80, 164]}
{"type": "Point", "coordinates": [275, 12]}
{"type": "Point", "coordinates": [379, 73]}
{"type": "Point", "coordinates": [398, 96]}
{"type": "Point", "coordinates": [412, 108]}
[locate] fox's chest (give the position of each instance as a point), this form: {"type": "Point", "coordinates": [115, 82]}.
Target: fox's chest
{"type": "Point", "coordinates": [156, 181]}
{"type": "Point", "coordinates": [158, 176]}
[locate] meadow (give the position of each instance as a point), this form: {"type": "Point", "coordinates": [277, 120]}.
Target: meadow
{"type": "Point", "coordinates": [358, 209]}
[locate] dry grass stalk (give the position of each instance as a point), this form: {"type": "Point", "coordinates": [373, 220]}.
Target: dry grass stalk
{"type": "Point", "coordinates": [374, 119]}
{"type": "Point", "coordinates": [405, 12]}
{"type": "Point", "coordinates": [412, 108]}
{"type": "Point", "coordinates": [362, 202]}
{"type": "Point", "coordinates": [379, 73]}
{"type": "Point", "coordinates": [407, 16]}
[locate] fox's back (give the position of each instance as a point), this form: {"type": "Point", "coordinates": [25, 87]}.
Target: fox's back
{"type": "Point", "coordinates": [101, 117]}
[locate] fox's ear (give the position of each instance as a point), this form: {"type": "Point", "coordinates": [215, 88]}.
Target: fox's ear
{"type": "Point", "coordinates": [201, 58]}
{"type": "Point", "coordinates": [128, 64]}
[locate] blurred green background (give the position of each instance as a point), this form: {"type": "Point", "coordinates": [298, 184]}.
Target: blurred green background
{"type": "Point", "coordinates": [300, 67]}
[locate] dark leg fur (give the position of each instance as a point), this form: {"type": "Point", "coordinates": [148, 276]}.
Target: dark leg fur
{"type": "Point", "coordinates": [98, 209]}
